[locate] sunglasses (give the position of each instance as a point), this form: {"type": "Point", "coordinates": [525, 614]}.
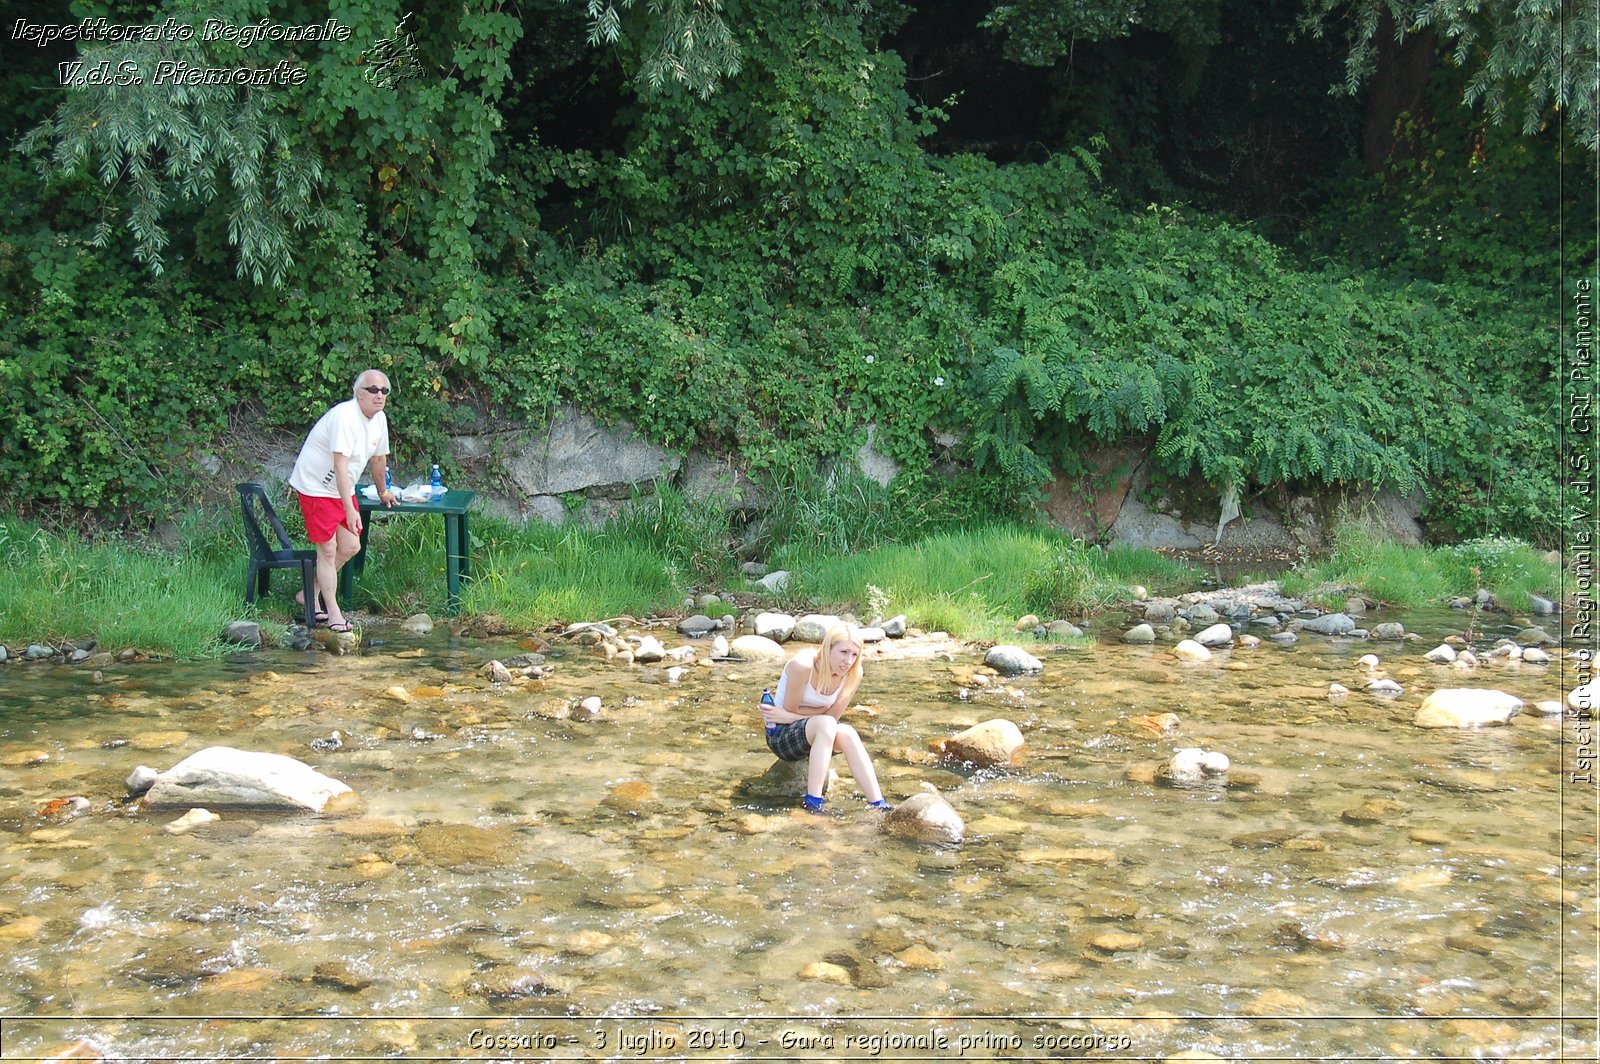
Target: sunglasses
{"type": "Point", "coordinates": [375, 390]}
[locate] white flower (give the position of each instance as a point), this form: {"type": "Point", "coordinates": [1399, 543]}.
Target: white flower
{"type": "Point", "coordinates": [871, 360]}
{"type": "Point", "coordinates": [938, 382]}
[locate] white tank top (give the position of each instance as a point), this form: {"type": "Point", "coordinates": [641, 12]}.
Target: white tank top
{"type": "Point", "coordinates": [809, 696]}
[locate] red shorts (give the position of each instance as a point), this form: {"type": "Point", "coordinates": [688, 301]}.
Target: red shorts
{"type": "Point", "coordinates": [323, 516]}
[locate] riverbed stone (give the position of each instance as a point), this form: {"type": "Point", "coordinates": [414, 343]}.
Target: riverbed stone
{"type": "Point", "coordinates": [1139, 633]}
{"type": "Point", "coordinates": [140, 780]}
{"type": "Point", "coordinates": [1286, 639]}
{"type": "Point", "coordinates": [987, 745]}
{"type": "Point", "coordinates": [84, 1051]}
{"type": "Point", "coordinates": [1443, 654]}
{"type": "Point", "coordinates": [697, 627]}
{"type": "Point", "coordinates": [220, 776]}
{"type": "Point", "coordinates": [194, 818]}
{"type": "Point", "coordinates": [777, 627]}
{"type": "Point", "coordinates": [1388, 630]}
{"type": "Point", "coordinates": [1330, 624]}
{"type": "Point", "coordinates": [649, 649]}
{"type": "Point", "coordinates": [926, 817]}
{"type": "Point", "coordinates": [783, 779]}
{"type": "Point", "coordinates": [1010, 660]}
{"type": "Point", "coordinates": [1536, 637]}
{"type": "Point", "coordinates": [895, 627]}
{"type": "Point", "coordinates": [1217, 635]}
{"type": "Point", "coordinates": [452, 845]}
{"type": "Point", "coordinates": [1160, 612]}
{"type": "Point", "coordinates": [1385, 688]}
{"type": "Point", "coordinates": [1535, 656]}
{"type": "Point", "coordinates": [38, 652]}
{"type": "Point", "coordinates": [1467, 707]}
{"type": "Point", "coordinates": [1191, 650]}
{"type": "Point", "coordinates": [1200, 613]}
{"type": "Point", "coordinates": [1585, 698]}
{"type": "Point", "coordinates": [1192, 766]}
{"type": "Point", "coordinates": [812, 627]}
{"type": "Point", "coordinates": [748, 647]}
{"type": "Point", "coordinates": [417, 624]}
{"type": "Point", "coordinates": [1541, 605]}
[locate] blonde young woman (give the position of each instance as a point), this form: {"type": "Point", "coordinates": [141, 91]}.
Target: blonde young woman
{"type": "Point", "coordinates": [813, 692]}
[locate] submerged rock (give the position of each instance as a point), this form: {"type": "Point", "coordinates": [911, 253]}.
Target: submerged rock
{"type": "Point", "coordinates": [223, 776]}
{"type": "Point", "coordinates": [987, 745]}
{"type": "Point", "coordinates": [927, 817]}
{"type": "Point", "coordinates": [1191, 650]}
{"type": "Point", "coordinates": [1139, 633]}
{"type": "Point", "coordinates": [783, 779]}
{"type": "Point", "coordinates": [1467, 707]}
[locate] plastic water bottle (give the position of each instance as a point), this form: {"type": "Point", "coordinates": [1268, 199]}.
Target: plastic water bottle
{"type": "Point", "coordinates": [767, 700]}
{"type": "Point", "coordinates": [438, 484]}
{"type": "Point", "coordinates": [388, 479]}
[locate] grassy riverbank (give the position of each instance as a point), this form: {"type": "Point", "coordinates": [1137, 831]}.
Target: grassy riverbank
{"type": "Point", "coordinates": [970, 580]}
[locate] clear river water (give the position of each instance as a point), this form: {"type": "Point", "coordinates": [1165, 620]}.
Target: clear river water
{"type": "Point", "coordinates": [521, 884]}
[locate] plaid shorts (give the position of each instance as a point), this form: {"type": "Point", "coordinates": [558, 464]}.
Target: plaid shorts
{"type": "Point", "coordinates": [789, 741]}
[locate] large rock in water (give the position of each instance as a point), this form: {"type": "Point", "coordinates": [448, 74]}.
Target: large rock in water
{"type": "Point", "coordinates": [994, 742]}
{"type": "Point", "coordinates": [1330, 624]}
{"type": "Point", "coordinates": [747, 647]}
{"type": "Point", "coordinates": [1467, 707]}
{"type": "Point", "coordinates": [1010, 660]}
{"type": "Point", "coordinates": [926, 816]}
{"type": "Point", "coordinates": [220, 776]}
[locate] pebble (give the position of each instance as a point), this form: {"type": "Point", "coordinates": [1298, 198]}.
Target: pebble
{"type": "Point", "coordinates": [1369, 662]}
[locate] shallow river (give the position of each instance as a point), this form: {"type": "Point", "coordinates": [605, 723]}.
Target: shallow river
{"type": "Point", "coordinates": [520, 886]}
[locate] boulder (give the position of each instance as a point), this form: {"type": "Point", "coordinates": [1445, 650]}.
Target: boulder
{"type": "Point", "coordinates": [777, 627]}
{"type": "Point", "coordinates": [895, 627]}
{"type": "Point", "coordinates": [1217, 635]}
{"type": "Point", "coordinates": [1191, 650]}
{"type": "Point", "coordinates": [648, 650]}
{"type": "Point", "coordinates": [1330, 624]}
{"type": "Point", "coordinates": [747, 647]}
{"type": "Point", "coordinates": [220, 776]}
{"type": "Point", "coordinates": [1467, 707]}
{"type": "Point", "coordinates": [1063, 630]}
{"type": "Point", "coordinates": [926, 817]}
{"type": "Point", "coordinates": [1010, 660]}
{"type": "Point", "coordinates": [812, 627]}
{"type": "Point", "coordinates": [1443, 654]}
{"type": "Point", "coordinates": [783, 779]}
{"type": "Point", "coordinates": [1389, 630]}
{"type": "Point", "coordinates": [986, 745]}
{"type": "Point", "coordinates": [417, 624]}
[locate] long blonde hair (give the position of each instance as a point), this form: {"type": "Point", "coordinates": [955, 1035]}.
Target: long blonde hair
{"type": "Point", "coordinates": [821, 673]}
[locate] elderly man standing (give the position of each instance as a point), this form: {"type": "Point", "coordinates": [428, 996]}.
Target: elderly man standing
{"type": "Point", "coordinates": [344, 440]}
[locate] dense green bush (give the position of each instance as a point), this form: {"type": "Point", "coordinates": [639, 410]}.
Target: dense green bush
{"type": "Point", "coordinates": [769, 270]}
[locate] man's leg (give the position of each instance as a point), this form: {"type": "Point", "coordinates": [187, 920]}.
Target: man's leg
{"type": "Point", "coordinates": [328, 578]}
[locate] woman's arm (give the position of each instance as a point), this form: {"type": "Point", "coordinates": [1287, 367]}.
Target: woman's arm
{"type": "Point", "coordinates": [842, 701]}
{"type": "Point", "coordinates": [798, 673]}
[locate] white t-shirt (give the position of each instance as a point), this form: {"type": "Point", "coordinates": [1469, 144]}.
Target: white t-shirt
{"type": "Point", "coordinates": [342, 430]}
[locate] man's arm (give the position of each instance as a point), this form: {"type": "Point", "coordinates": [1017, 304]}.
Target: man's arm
{"type": "Point", "coordinates": [345, 484]}
{"type": "Point", "coordinates": [379, 467]}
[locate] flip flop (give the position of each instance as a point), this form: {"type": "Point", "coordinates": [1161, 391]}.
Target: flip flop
{"type": "Point", "coordinates": [342, 627]}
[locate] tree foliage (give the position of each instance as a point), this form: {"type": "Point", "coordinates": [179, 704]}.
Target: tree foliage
{"type": "Point", "coordinates": [1523, 58]}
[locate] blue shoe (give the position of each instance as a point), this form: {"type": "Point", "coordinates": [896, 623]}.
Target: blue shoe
{"type": "Point", "coordinates": [813, 803]}
{"type": "Point", "coordinates": [881, 805]}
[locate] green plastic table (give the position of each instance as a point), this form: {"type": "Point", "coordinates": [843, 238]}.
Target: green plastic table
{"type": "Point", "coordinates": [457, 547]}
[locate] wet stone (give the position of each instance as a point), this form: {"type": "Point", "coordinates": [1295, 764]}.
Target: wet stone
{"type": "Point", "coordinates": [338, 975]}
{"type": "Point", "coordinates": [451, 845]}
